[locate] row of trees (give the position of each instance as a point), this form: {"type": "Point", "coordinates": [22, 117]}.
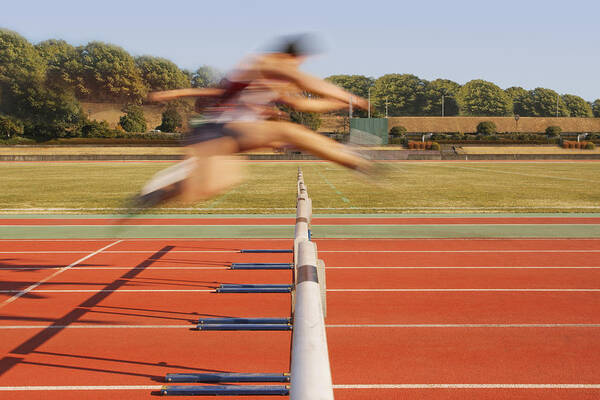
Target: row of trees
{"type": "Point", "coordinates": [409, 95]}
{"type": "Point", "coordinates": [41, 85]}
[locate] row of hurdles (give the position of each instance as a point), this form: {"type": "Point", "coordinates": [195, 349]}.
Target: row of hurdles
{"type": "Point", "coordinates": [310, 375]}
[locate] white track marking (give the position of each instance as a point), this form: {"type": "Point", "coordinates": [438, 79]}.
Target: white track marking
{"type": "Point", "coordinates": [111, 291]}
{"type": "Point", "coordinates": [227, 268]}
{"type": "Point", "coordinates": [338, 387]}
{"type": "Point", "coordinates": [326, 267]}
{"type": "Point", "coordinates": [97, 327]}
{"type": "Point", "coordinates": [462, 325]}
{"type": "Point", "coordinates": [329, 290]}
{"type": "Point", "coordinates": [321, 251]}
{"type": "Point", "coordinates": [472, 386]}
{"type": "Point", "coordinates": [117, 268]}
{"type": "Point", "coordinates": [61, 270]}
{"type": "Point", "coordinates": [463, 290]}
{"type": "Point", "coordinates": [192, 326]}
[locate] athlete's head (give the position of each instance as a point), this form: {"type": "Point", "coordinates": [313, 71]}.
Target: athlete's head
{"type": "Point", "coordinates": [298, 46]}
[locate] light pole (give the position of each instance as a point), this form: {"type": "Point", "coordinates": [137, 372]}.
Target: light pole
{"type": "Point", "coordinates": [370, 87]}
{"type": "Point", "coordinates": [386, 107]}
{"type": "Point", "coordinates": [442, 105]}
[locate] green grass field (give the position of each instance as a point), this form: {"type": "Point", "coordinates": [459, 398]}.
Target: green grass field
{"type": "Point", "coordinates": [406, 187]}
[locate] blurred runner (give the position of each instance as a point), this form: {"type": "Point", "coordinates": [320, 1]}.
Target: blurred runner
{"type": "Point", "coordinates": [238, 117]}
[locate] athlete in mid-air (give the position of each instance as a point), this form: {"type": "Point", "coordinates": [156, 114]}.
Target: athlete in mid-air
{"type": "Point", "coordinates": [239, 116]}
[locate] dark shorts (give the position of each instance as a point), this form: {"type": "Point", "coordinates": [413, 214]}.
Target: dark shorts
{"type": "Point", "coordinates": [208, 131]}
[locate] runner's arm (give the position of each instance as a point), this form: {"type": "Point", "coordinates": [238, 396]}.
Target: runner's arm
{"type": "Point", "coordinates": [167, 95]}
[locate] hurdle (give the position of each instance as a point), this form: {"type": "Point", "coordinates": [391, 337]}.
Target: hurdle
{"type": "Point", "coordinates": [310, 374]}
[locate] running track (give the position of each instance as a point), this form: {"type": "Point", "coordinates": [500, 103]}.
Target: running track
{"type": "Point", "coordinates": [416, 318]}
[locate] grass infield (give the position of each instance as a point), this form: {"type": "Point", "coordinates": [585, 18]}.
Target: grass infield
{"type": "Point", "coordinates": [406, 187]}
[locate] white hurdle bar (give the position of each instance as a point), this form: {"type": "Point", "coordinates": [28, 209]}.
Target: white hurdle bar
{"type": "Point", "coordinates": [310, 371]}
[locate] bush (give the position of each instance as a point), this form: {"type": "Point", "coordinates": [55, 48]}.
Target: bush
{"type": "Point", "coordinates": [486, 128]}
{"type": "Point", "coordinates": [97, 129]}
{"type": "Point", "coordinates": [10, 127]}
{"type": "Point", "coordinates": [590, 146]}
{"type": "Point", "coordinates": [553, 131]}
{"type": "Point", "coordinates": [397, 130]}
{"type": "Point", "coordinates": [435, 146]}
{"type": "Point", "coordinates": [171, 120]}
{"type": "Point", "coordinates": [133, 120]}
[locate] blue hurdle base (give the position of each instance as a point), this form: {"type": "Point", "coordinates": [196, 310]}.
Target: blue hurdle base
{"type": "Point", "coordinates": [208, 321]}
{"type": "Point", "coordinates": [287, 289]}
{"type": "Point", "coordinates": [229, 390]}
{"type": "Point", "coordinates": [261, 266]}
{"type": "Point", "coordinates": [227, 377]}
{"type": "Point", "coordinates": [244, 327]}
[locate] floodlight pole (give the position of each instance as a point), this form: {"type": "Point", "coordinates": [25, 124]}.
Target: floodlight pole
{"type": "Point", "coordinates": [442, 105]}
{"type": "Point", "coordinates": [386, 107]}
{"type": "Point", "coordinates": [370, 87]}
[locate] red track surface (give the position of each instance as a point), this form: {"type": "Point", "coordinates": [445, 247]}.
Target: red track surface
{"type": "Point", "coordinates": [37, 356]}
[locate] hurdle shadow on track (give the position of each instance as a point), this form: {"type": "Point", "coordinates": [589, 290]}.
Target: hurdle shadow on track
{"type": "Point", "coordinates": [31, 346]}
{"type": "Point", "coordinates": [13, 265]}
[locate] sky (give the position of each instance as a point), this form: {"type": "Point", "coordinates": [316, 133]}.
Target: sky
{"type": "Point", "coordinates": [527, 43]}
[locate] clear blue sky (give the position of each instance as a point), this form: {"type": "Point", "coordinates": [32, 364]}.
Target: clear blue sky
{"type": "Point", "coordinates": [529, 43]}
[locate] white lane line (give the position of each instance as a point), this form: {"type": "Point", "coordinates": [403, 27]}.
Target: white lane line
{"type": "Point", "coordinates": [114, 268]}
{"type": "Point", "coordinates": [191, 326]}
{"type": "Point", "coordinates": [109, 290]}
{"type": "Point", "coordinates": [329, 290]}
{"type": "Point", "coordinates": [39, 388]}
{"type": "Point", "coordinates": [339, 387]}
{"type": "Point", "coordinates": [227, 268]}
{"type": "Point", "coordinates": [96, 326]}
{"type": "Point", "coordinates": [320, 251]}
{"type": "Point", "coordinates": [463, 290]}
{"type": "Point", "coordinates": [472, 386]}
{"type": "Point", "coordinates": [462, 325]}
{"type": "Point", "coordinates": [61, 270]}
{"type": "Point", "coordinates": [458, 268]}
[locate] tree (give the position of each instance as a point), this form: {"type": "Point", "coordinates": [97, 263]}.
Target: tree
{"type": "Point", "coordinates": [355, 84]}
{"type": "Point", "coordinates": [434, 91]}
{"type": "Point", "coordinates": [64, 68]}
{"type": "Point", "coordinates": [110, 73]}
{"type": "Point", "coordinates": [482, 98]}
{"type": "Point", "coordinates": [206, 76]}
{"type": "Point", "coordinates": [171, 119]}
{"type": "Point", "coordinates": [133, 120]}
{"type": "Point", "coordinates": [543, 103]}
{"type": "Point", "coordinates": [596, 108]}
{"type": "Point", "coordinates": [10, 127]}
{"type": "Point", "coordinates": [161, 74]}
{"type": "Point", "coordinates": [404, 93]}
{"type": "Point", "coordinates": [45, 112]}
{"type": "Point", "coordinates": [521, 101]}
{"type": "Point", "coordinates": [577, 106]}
